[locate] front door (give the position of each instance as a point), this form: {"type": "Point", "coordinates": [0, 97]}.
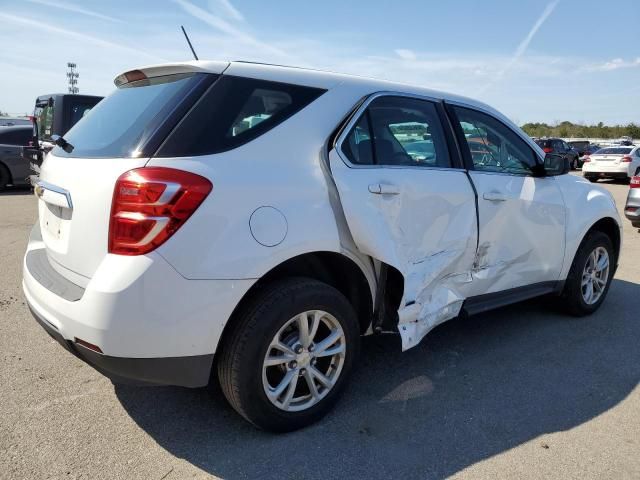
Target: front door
{"type": "Point", "coordinates": [521, 216]}
{"type": "Point", "coordinates": [407, 206]}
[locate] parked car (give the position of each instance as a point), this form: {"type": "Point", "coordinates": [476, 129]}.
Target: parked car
{"type": "Point", "coordinates": [612, 162]}
{"type": "Point", "coordinates": [182, 238]}
{"type": "Point", "coordinates": [584, 147]}
{"type": "Point", "coordinates": [560, 147]}
{"type": "Point", "coordinates": [632, 207]}
{"type": "Point", "coordinates": [13, 169]}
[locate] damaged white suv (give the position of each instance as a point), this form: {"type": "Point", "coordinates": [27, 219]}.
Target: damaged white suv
{"type": "Point", "coordinates": [254, 221]}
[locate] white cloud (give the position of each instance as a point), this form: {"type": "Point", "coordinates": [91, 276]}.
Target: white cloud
{"type": "Point", "coordinates": [227, 8]}
{"type": "Point", "coordinates": [524, 44]}
{"type": "Point", "coordinates": [74, 8]}
{"type": "Point", "coordinates": [406, 54]}
{"type": "Point", "coordinates": [42, 26]}
{"type": "Point", "coordinates": [615, 64]}
{"type": "Point", "coordinates": [227, 28]}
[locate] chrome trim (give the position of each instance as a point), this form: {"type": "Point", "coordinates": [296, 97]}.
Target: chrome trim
{"type": "Point", "coordinates": [41, 187]}
{"type": "Point", "coordinates": [355, 116]}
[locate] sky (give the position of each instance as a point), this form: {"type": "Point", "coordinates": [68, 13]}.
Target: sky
{"type": "Point", "coordinates": [534, 60]}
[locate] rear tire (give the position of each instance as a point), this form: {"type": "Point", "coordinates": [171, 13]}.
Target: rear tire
{"type": "Point", "coordinates": [251, 370]}
{"type": "Point", "coordinates": [592, 179]}
{"type": "Point", "coordinates": [583, 275]}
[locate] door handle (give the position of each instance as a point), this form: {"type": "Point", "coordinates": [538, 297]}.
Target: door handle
{"type": "Point", "coordinates": [384, 189]}
{"type": "Point", "coordinates": [495, 196]}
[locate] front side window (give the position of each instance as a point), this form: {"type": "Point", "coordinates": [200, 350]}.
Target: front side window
{"type": "Point", "coordinates": [398, 131]}
{"type": "Point", "coordinates": [493, 146]}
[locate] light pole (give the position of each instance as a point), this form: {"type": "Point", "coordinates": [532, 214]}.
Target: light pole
{"type": "Point", "coordinates": [72, 77]}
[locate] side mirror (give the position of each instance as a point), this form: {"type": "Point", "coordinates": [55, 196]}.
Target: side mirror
{"type": "Point", "coordinates": [555, 164]}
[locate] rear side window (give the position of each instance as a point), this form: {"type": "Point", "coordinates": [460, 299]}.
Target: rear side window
{"type": "Point", "coordinates": [122, 124]}
{"type": "Point", "coordinates": [398, 131]}
{"type": "Point", "coordinates": [233, 112]}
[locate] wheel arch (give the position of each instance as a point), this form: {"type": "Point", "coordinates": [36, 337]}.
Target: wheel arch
{"type": "Point", "coordinates": [336, 269]}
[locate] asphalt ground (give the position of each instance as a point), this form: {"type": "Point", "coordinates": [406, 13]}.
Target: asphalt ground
{"type": "Point", "coordinates": [521, 392]}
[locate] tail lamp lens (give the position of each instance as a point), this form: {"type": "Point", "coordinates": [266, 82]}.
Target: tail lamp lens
{"type": "Point", "coordinates": [547, 150]}
{"type": "Point", "coordinates": [626, 159]}
{"type": "Point", "coordinates": [151, 204]}
{"type": "Point", "coordinates": [635, 182]}
{"type": "Point", "coordinates": [586, 159]}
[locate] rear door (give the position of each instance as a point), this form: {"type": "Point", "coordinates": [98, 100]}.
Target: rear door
{"type": "Point", "coordinates": [412, 208]}
{"type": "Point", "coordinates": [76, 185]}
{"type": "Point", "coordinates": [522, 216]}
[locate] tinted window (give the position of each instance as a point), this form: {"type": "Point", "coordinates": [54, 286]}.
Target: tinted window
{"type": "Point", "coordinates": [234, 111]}
{"type": "Point", "coordinates": [405, 131]}
{"type": "Point", "coordinates": [122, 123]}
{"type": "Point", "coordinates": [357, 146]}
{"type": "Point", "coordinates": [17, 136]}
{"type": "Point", "coordinates": [493, 146]}
{"type": "Point", "coordinates": [614, 151]}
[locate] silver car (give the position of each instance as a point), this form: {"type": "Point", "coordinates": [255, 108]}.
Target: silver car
{"type": "Point", "coordinates": [632, 208]}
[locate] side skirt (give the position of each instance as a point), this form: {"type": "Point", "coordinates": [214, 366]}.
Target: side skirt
{"type": "Point", "coordinates": [490, 301]}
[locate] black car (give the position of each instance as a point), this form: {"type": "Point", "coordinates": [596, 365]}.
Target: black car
{"type": "Point", "coordinates": [14, 169]}
{"type": "Point", "coordinates": [559, 146]}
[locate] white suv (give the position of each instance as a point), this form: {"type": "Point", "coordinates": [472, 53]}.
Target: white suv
{"type": "Point", "coordinates": [256, 220]}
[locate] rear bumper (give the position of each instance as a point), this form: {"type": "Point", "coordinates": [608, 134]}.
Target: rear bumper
{"type": "Point", "coordinates": [180, 371]}
{"type": "Point", "coordinates": [151, 324]}
{"type": "Point", "coordinates": [604, 171]}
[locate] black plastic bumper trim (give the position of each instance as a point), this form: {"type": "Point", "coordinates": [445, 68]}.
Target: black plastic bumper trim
{"type": "Point", "coordinates": [40, 269]}
{"type": "Point", "coordinates": [192, 371]}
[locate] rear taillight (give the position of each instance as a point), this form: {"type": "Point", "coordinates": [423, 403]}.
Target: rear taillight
{"type": "Point", "coordinates": [151, 204]}
{"type": "Point", "coordinates": [635, 182]}
{"type": "Point", "coordinates": [626, 159]}
{"type": "Point", "coordinates": [547, 150]}
{"type": "Point", "coordinates": [586, 159]}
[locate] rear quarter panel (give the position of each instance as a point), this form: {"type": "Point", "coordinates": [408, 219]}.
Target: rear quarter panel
{"type": "Point", "coordinates": [282, 169]}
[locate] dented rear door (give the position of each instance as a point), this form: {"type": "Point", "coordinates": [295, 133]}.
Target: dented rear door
{"type": "Point", "coordinates": [406, 205]}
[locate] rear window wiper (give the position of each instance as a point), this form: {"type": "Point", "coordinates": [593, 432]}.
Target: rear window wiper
{"type": "Point", "coordinates": [62, 143]}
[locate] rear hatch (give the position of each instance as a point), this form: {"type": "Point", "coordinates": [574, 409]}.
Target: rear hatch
{"type": "Point", "coordinates": [121, 133]}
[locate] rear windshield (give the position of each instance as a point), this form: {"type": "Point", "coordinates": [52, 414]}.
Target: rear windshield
{"type": "Point", "coordinates": [234, 111]}
{"type": "Point", "coordinates": [614, 151]}
{"type": "Point", "coordinates": [123, 123]}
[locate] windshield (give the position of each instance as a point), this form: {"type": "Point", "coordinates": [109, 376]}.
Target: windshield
{"type": "Point", "coordinates": [614, 151]}
{"type": "Point", "coordinates": [123, 123]}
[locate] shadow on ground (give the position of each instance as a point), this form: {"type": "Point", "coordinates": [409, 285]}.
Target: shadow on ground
{"type": "Point", "coordinates": [473, 389]}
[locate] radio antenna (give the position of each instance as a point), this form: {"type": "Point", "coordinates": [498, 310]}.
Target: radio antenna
{"type": "Point", "coordinates": [189, 42]}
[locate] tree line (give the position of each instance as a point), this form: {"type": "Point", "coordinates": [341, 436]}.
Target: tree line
{"type": "Point", "coordinates": [574, 130]}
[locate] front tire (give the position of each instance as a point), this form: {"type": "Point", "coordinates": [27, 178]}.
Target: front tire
{"type": "Point", "coordinates": [5, 177]}
{"type": "Point", "coordinates": [289, 353]}
{"type": "Point", "coordinates": [590, 276]}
